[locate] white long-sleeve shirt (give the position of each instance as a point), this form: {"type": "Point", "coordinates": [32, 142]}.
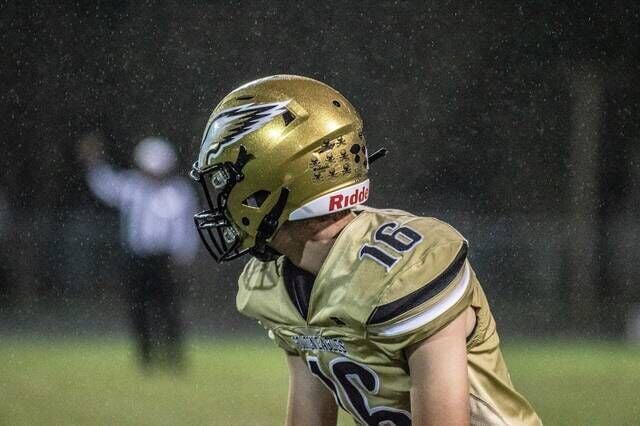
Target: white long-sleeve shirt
{"type": "Point", "coordinates": [156, 215]}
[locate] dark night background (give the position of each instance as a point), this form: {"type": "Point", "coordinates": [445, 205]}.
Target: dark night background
{"type": "Point", "coordinates": [516, 123]}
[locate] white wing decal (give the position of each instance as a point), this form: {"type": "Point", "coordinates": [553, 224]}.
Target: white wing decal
{"type": "Point", "coordinates": [230, 125]}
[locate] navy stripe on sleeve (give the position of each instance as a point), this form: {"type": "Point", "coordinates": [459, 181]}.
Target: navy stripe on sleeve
{"type": "Point", "coordinates": [391, 310]}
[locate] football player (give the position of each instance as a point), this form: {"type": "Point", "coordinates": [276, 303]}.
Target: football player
{"type": "Point", "coordinates": [378, 311]}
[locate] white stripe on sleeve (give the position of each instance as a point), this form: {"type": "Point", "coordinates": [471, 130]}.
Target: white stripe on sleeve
{"type": "Point", "coordinates": [434, 311]}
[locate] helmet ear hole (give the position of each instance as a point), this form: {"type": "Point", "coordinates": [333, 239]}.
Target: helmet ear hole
{"type": "Point", "coordinates": [256, 199]}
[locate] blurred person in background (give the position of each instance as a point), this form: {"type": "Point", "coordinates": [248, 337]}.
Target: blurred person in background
{"type": "Point", "coordinates": [156, 208]}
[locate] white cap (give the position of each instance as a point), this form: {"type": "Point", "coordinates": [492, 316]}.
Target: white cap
{"type": "Point", "coordinates": [155, 155]}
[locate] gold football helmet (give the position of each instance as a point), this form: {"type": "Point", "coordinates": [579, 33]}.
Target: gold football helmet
{"type": "Point", "coordinates": [275, 149]}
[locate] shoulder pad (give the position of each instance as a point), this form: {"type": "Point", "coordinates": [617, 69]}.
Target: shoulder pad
{"type": "Point", "coordinates": [257, 274]}
{"type": "Point", "coordinates": [257, 277]}
{"type": "Point", "coordinates": [421, 282]}
{"type": "Point", "coordinates": [428, 281]}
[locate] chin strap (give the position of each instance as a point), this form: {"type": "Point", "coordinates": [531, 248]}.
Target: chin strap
{"type": "Point", "coordinates": [267, 254]}
{"type": "Point", "coordinates": [267, 228]}
{"type": "Point", "coordinates": [243, 158]}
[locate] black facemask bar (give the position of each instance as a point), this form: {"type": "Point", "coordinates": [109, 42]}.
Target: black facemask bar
{"type": "Point", "coordinates": [217, 232]}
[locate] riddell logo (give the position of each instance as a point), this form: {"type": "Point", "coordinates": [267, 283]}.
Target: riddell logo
{"type": "Point", "coordinates": [342, 201]}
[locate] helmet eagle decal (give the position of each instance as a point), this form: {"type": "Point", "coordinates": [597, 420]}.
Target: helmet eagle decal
{"type": "Point", "coordinates": [231, 125]}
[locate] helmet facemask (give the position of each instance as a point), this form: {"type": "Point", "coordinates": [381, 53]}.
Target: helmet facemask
{"type": "Point", "coordinates": [216, 228]}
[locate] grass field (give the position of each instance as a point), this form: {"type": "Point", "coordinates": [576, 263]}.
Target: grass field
{"type": "Point", "coordinates": [242, 382]}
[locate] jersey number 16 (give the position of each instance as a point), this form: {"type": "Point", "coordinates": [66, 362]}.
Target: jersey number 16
{"type": "Point", "coordinates": [390, 235]}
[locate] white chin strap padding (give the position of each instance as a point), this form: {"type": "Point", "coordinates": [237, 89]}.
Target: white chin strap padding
{"type": "Point", "coordinates": [332, 202]}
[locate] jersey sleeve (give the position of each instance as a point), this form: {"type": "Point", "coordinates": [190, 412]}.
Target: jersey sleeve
{"type": "Point", "coordinates": [282, 343]}
{"type": "Point", "coordinates": [257, 298]}
{"type": "Point", "coordinates": [424, 297]}
{"type": "Point", "coordinates": [279, 340]}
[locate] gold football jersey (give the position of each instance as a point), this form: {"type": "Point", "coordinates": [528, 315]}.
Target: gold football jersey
{"type": "Point", "coordinates": [391, 280]}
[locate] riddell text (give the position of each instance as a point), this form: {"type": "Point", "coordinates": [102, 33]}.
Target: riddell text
{"type": "Point", "coordinates": [341, 201]}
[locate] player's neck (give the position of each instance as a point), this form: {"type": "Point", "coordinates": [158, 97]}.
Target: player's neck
{"type": "Point", "coordinates": [309, 252]}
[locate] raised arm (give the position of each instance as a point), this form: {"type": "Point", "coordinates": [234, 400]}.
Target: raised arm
{"type": "Point", "coordinates": [310, 402]}
{"type": "Point", "coordinates": [106, 183]}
